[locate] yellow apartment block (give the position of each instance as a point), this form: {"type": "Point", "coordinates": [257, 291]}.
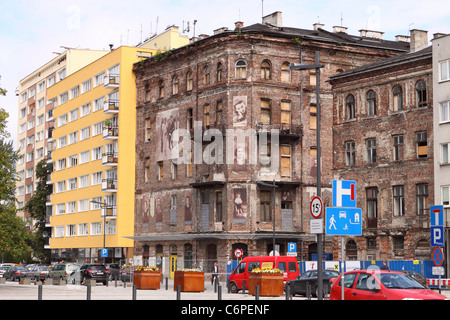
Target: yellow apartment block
{"type": "Point", "coordinates": [92, 149]}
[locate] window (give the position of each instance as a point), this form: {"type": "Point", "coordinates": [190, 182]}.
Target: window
{"type": "Point", "coordinates": [265, 70]}
{"type": "Point", "coordinates": [372, 204]}
{"type": "Point", "coordinates": [84, 181]}
{"type": "Point", "coordinates": [74, 92]}
{"type": "Point", "coordinates": [445, 111]}
{"type": "Point", "coordinates": [83, 229]}
{"type": "Point", "coordinates": [190, 82]}
{"type": "Point", "coordinates": [241, 69]}
{"type": "Point", "coordinates": [207, 75]}
{"type": "Point", "coordinates": [85, 156]}
{"type": "Point", "coordinates": [71, 230]}
{"type": "Point", "coordinates": [148, 129]}
{"type": "Point", "coordinates": [62, 142]}
{"type": "Point", "coordinates": [206, 115]}
{"type": "Point", "coordinates": [63, 98]}
{"type": "Point", "coordinates": [160, 170]}
{"type": "Point", "coordinates": [397, 92]}
{"type": "Point", "coordinates": [85, 109]}
{"type": "Point", "coordinates": [96, 228]}
{"type": "Point", "coordinates": [219, 74]}
{"type": "Point", "coordinates": [71, 207]}
{"type": "Point", "coordinates": [73, 137]}
{"type": "Point", "coordinates": [83, 205]}
{"type": "Point", "coordinates": [97, 128]}
{"type": "Point", "coordinates": [219, 206]}
{"type": "Point", "coordinates": [110, 227]}
{"type": "Point", "coordinates": [161, 89]}
{"type": "Point", "coordinates": [62, 74]}
{"type": "Point", "coordinates": [286, 113]}
{"type": "Point", "coordinates": [266, 206]}
{"type": "Point", "coordinates": [72, 161]}
{"type": "Point", "coordinates": [421, 144]}
{"type": "Point", "coordinates": [265, 111]}
{"type": "Point", "coordinates": [173, 170]}
{"type": "Point", "coordinates": [350, 107]}
{"type": "Point", "coordinates": [445, 153]}
{"type": "Point", "coordinates": [189, 165]}
{"type": "Point", "coordinates": [71, 184]}
{"type": "Point", "coordinates": [97, 153]}
{"type": "Point", "coordinates": [444, 70]}
{"type": "Point", "coordinates": [219, 109]}
{"type": "Point", "coordinates": [147, 170]}
{"type": "Point", "coordinates": [85, 133]}
{"type": "Point", "coordinates": [96, 203]}
{"type": "Point", "coordinates": [175, 85]}
{"type": "Point", "coordinates": [190, 120]}
{"type": "Point", "coordinates": [371, 146]}
{"type": "Point", "coordinates": [97, 178]}
{"type": "Point", "coordinates": [398, 147]}
{"type": "Point", "coordinates": [60, 186]}
{"type": "Point", "coordinates": [86, 86]}
{"type": "Point", "coordinates": [62, 120]}
{"type": "Point", "coordinates": [61, 164]}
{"type": "Point", "coordinates": [350, 153]}
{"type": "Point", "coordinates": [371, 103]}
{"type": "Point", "coordinates": [399, 201]}
{"type": "Point", "coordinates": [50, 81]}
{"type": "Point", "coordinates": [421, 94]}
{"type": "Point", "coordinates": [445, 195]}
{"type": "Point", "coordinates": [422, 198]}
{"type": "Point", "coordinates": [399, 243]}
{"type": "Point", "coordinates": [285, 161]}
{"type": "Point", "coordinates": [99, 79]}
{"type": "Point", "coordinates": [285, 72]}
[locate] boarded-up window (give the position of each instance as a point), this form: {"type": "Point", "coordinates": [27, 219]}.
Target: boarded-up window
{"type": "Point", "coordinates": [285, 153]}
{"type": "Point", "coordinates": [285, 72]}
{"type": "Point", "coordinates": [266, 205]}
{"type": "Point", "coordinates": [265, 70]}
{"type": "Point", "coordinates": [422, 145]}
{"type": "Point", "coordinates": [286, 113]}
{"type": "Point", "coordinates": [206, 113]}
{"type": "Point", "coordinates": [265, 111]}
{"type": "Point", "coordinates": [398, 98]}
{"type": "Point", "coordinates": [313, 117]}
{"type": "Point", "coordinates": [219, 108]}
{"type": "Point", "coordinates": [148, 129]}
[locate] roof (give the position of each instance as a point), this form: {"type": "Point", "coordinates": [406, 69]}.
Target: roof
{"type": "Point", "coordinates": [387, 63]}
{"type": "Point", "coordinates": [327, 36]}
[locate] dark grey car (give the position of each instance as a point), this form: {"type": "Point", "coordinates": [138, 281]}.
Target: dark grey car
{"type": "Point", "coordinates": [14, 273]}
{"type": "Point", "coordinates": [299, 285]}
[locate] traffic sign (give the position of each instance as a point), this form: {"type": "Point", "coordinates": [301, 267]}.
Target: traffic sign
{"type": "Point", "coordinates": [104, 253]}
{"type": "Point", "coordinates": [438, 257]}
{"type": "Point", "coordinates": [292, 249]}
{"type": "Point", "coordinates": [316, 226]}
{"type": "Point", "coordinates": [437, 236]}
{"type": "Point", "coordinates": [316, 207]}
{"type": "Point", "coordinates": [343, 221]}
{"type": "Point", "coordinates": [344, 193]}
{"type": "Point", "coordinates": [238, 253]}
{"type": "Point", "coordinates": [436, 216]}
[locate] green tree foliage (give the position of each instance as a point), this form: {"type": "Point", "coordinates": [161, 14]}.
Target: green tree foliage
{"type": "Point", "coordinates": [13, 235]}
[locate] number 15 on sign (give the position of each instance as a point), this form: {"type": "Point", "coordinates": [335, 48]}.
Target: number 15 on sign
{"type": "Point", "coordinates": [316, 207]}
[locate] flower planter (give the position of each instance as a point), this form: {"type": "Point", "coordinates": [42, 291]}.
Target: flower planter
{"type": "Point", "coordinates": [270, 284]}
{"type": "Point", "coordinates": [189, 281]}
{"type": "Point", "coordinates": [147, 280]}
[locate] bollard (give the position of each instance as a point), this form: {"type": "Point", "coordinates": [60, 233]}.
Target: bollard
{"type": "Point", "coordinates": [115, 283]}
{"type": "Point", "coordinates": [88, 294]}
{"type": "Point", "coordinates": [308, 291]}
{"type": "Point", "coordinates": [134, 293]}
{"type": "Point", "coordinates": [219, 292]}
{"type": "Point", "coordinates": [288, 293]}
{"type": "Point", "coordinates": [178, 292]}
{"type": "Point", "coordinates": [167, 283]}
{"type": "Point", "coordinates": [40, 292]}
{"type": "Point", "coordinates": [256, 292]}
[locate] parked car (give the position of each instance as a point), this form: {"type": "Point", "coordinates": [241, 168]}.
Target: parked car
{"type": "Point", "coordinates": [37, 272]}
{"type": "Point", "coordinates": [62, 270]}
{"type": "Point", "coordinates": [14, 273]}
{"type": "Point", "coordinates": [113, 270]}
{"type": "Point", "coordinates": [287, 264]}
{"type": "Point", "coordinates": [299, 285]}
{"type": "Point", "coordinates": [417, 276]}
{"type": "Point", "coordinates": [381, 285]}
{"type": "Point", "coordinates": [126, 274]}
{"type": "Point", "coordinates": [93, 271]}
{"type": "Point", "coordinates": [3, 269]}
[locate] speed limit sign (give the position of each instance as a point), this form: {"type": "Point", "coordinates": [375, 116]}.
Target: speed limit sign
{"type": "Point", "coordinates": [316, 207]}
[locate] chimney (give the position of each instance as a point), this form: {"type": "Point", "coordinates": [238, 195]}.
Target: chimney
{"type": "Point", "coordinates": [275, 19]}
{"type": "Point", "coordinates": [239, 25]}
{"type": "Point", "coordinates": [220, 30]}
{"type": "Point", "coordinates": [419, 40]}
{"type": "Point", "coordinates": [339, 29]}
{"type": "Point", "coordinates": [371, 34]}
{"type": "Point", "coordinates": [317, 26]}
{"type": "Point", "coordinates": [400, 38]}
{"type": "Point", "coordinates": [438, 35]}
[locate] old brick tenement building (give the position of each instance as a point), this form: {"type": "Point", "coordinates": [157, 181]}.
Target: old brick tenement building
{"type": "Point", "coordinates": [237, 80]}
{"type": "Point", "coordinates": [383, 139]}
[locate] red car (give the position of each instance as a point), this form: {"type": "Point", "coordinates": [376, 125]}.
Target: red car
{"type": "Point", "coordinates": [381, 285]}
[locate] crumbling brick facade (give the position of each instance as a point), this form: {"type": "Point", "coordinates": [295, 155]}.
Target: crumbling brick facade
{"type": "Point", "coordinates": [383, 139]}
{"type": "Point", "coordinates": [192, 211]}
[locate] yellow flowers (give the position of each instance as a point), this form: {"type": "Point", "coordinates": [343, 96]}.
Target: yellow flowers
{"type": "Point", "coordinates": [266, 270]}
{"type": "Point", "coordinates": [142, 268]}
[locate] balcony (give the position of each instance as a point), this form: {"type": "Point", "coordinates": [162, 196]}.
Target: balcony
{"type": "Point", "coordinates": [109, 212]}
{"type": "Point", "coordinates": [111, 106]}
{"type": "Point", "coordinates": [291, 131]}
{"type": "Point", "coordinates": [109, 185]}
{"type": "Point", "coordinates": [112, 81]}
{"type": "Point", "coordinates": [110, 159]}
{"type": "Point", "coordinates": [110, 133]}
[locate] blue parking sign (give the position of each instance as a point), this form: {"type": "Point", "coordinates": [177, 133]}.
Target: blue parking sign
{"type": "Point", "coordinates": [292, 247]}
{"type": "Point", "coordinates": [104, 253]}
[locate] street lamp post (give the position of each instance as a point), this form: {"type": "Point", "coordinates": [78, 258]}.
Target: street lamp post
{"type": "Point", "coordinates": [103, 205]}
{"type": "Point", "coordinates": [317, 66]}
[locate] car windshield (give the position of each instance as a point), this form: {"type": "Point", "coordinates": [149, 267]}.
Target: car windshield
{"type": "Point", "coordinates": [98, 268]}
{"type": "Point", "coordinates": [399, 281]}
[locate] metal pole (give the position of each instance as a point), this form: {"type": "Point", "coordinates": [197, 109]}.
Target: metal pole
{"type": "Point", "coordinates": [319, 181]}
{"type": "Point", "coordinates": [273, 217]}
{"type": "Point", "coordinates": [342, 267]}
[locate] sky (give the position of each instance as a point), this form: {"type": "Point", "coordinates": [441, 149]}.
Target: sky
{"type": "Point", "coordinates": [33, 32]}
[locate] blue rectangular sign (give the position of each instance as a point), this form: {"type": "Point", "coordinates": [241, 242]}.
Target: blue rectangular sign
{"type": "Point", "coordinates": [437, 236]}
{"type": "Point", "coordinates": [344, 193]}
{"type": "Point", "coordinates": [292, 247]}
{"type": "Point", "coordinates": [104, 253]}
{"type": "Point", "coordinates": [437, 216]}
{"type": "Point", "coordinates": [343, 221]}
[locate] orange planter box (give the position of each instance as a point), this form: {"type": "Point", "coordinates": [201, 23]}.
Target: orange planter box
{"type": "Point", "coordinates": [270, 284]}
{"type": "Point", "coordinates": [147, 280]}
{"type": "Point", "coordinates": [189, 281]}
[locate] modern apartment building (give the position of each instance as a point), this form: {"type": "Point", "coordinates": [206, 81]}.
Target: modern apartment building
{"type": "Point", "coordinates": [236, 85]}
{"type": "Point", "coordinates": [93, 152]}
{"type": "Point", "coordinates": [36, 116]}
{"type": "Point", "coordinates": [441, 106]}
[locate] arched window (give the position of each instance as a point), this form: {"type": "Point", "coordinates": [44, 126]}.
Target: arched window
{"type": "Point", "coordinates": [350, 107]}
{"type": "Point", "coordinates": [241, 69]}
{"type": "Point", "coordinates": [397, 93]}
{"type": "Point", "coordinates": [371, 103]}
{"type": "Point", "coordinates": [207, 75]}
{"type": "Point", "coordinates": [352, 250]}
{"type": "Point", "coordinates": [285, 72]}
{"type": "Point", "coordinates": [189, 81]}
{"type": "Point", "coordinates": [265, 70]}
{"type": "Point", "coordinates": [175, 85]}
{"type": "Point", "coordinates": [421, 94]}
{"type": "Point", "coordinates": [161, 89]}
{"type": "Point", "coordinates": [219, 74]}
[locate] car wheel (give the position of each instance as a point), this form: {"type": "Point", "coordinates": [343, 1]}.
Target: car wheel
{"type": "Point", "coordinates": [233, 287]}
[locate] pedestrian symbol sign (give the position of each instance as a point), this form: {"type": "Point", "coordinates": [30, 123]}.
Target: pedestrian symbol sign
{"type": "Point", "coordinates": [343, 221]}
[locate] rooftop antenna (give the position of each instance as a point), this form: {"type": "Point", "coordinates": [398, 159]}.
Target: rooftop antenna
{"type": "Point", "coordinates": [187, 29]}
{"type": "Point", "coordinates": [262, 8]}
{"type": "Point", "coordinates": [195, 22]}
{"type": "Point", "coordinates": [342, 20]}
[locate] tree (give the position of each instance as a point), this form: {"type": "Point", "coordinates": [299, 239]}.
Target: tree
{"type": "Point", "coordinates": [13, 235]}
{"type": "Point", "coordinates": [37, 209]}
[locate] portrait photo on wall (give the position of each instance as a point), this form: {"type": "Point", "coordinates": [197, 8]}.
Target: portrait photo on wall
{"type": "Point", "coordinates": [240, 111]}
{"type": "Point", "coordinates": [188, 206]}
{"type": "Point", "coordinates": [239, 157]}
{"type": "Point", "coordinates": [240, 203]}
{"type": "Point", "coordinates": [158, 208]}
{"type": "Point", "coordinates": [146, 208]}
{"type": "Point", "coordinates": [166, 123]}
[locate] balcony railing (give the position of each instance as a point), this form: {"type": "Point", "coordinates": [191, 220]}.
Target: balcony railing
{"type": "Point", "coordinates": [110, 133]}
{"type": "Point", "coordinates": [110, 159]}
{"type": "Point", "coordinates": [283, 128]}
{"type": "Point", "coordinates": [111, 106]}
{"type": "Point", "coordinates": [112, 81]}
{"type": "Point", "coordinates": [109, 212]}
{"type": "Point", "coordinates": [109, 185]}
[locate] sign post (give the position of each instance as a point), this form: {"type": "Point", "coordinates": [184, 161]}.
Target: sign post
{"type": "Point", "coordinates": [437, 236]}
